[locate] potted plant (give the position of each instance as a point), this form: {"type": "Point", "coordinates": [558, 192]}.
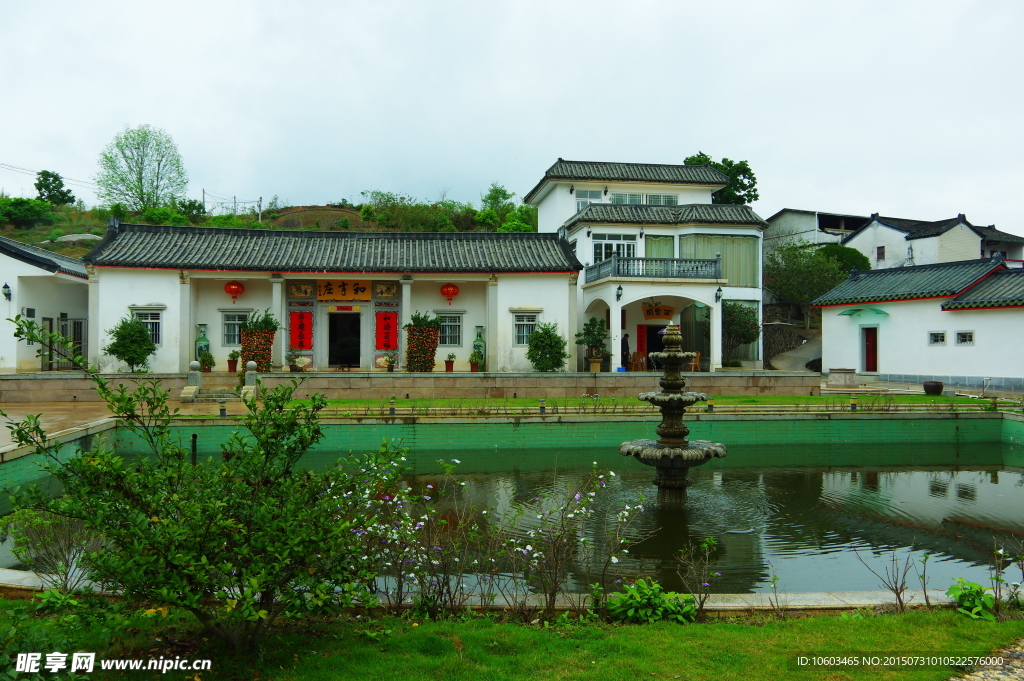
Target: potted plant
{"type": "Point", "coordinates": [474, 360]}
{"type": "Point", "coordinates": [593, 336]}
{"type": "Point", "coordinates": [387, 359]}
{"type": "Point", "coordinates": [449, 363]}
{"type": "Point", "coordinates": [257, 334]}
{"type": "Point", "coordinates": [390, 361]}
{"type": "Point", "coordinates": [293, 358]}
{"type": "Point", "coordinates": [422, 335]}
{"type": "Point", "coordinates": [206, 361]}
{"type": "Point", "coordinates": [233, 360]}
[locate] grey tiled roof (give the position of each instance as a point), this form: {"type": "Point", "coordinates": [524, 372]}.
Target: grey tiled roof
{"type": "Point", "coordinates": [598, 171]}
{"type": "Point", "coordinates": [42, 258]}
{"type": "Point", "coordinates": [907, 283]}
{"type": "Point", "coordinates": [992, 234]}
{"type": "Point", "coordinates": [687, 214]}
{"type": "Point", "coordinates": [1003, 288]}
{"type": "Point", "coordinates": [287, 251]}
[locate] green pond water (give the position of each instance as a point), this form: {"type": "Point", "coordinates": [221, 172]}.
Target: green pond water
{"type": "Point", "coordinates": [805, 512]}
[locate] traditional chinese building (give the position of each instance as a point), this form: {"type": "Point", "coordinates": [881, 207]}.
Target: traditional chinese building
{"type": "Point", "coordinates": [342, 297]}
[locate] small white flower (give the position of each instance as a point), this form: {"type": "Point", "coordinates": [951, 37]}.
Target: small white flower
{"type": "Point", "coordinates": [614, 559]}
{"type": "Point", "coordinates": [611, 473]}
{"type": "Point", "coordinates": [456, 461]}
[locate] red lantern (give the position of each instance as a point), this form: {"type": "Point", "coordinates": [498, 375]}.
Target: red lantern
{"type": "Point", "coordinates": [234, 289]}
{"type": "Point", "coordinates": [449, 291]}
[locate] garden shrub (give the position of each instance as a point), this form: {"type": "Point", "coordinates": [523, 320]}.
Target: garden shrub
{"type": "Point", "coordinates": [546, 350]}
{"type": "Point", "coordinates": [257, 334]}
{"type": "Point", "coordinates": [645, 602]}
{"type": "Point", "coordinates": [421, 338]}
{"type": "Point", "coordinates": [51, 546]}
{"type": "Point", "coordinates": [131, 343]}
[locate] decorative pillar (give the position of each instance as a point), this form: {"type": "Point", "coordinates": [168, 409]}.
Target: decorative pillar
{"type": "Point", "coordinates": [94, 324]}
{"type": "Point", "coordinates": [616, 334]}
{"type": "Point", "coordinates": [715, 339]}
{"type": "Point", "coordinates": [277, 306]}
{"type": "Point", "coordinates": [491, 332]}
{"type": "Point", "coordinates": [572, 323]}
{"type": "Point", "coordinates": [406, 301]}
{"type": "Point", "coordinates": [185, 327]}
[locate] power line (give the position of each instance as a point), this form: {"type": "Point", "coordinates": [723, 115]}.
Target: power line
{"type": "Point", "coordinates": [26, 171]}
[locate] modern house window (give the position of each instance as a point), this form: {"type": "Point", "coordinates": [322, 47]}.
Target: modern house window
{"type": "Point", "coordinates": [606, 244]}
{"type": "Point", "coordinates": [629, 199]}
{"type": "Point", "coordinates": [151, 320]}
{"type": "Point", "coordinates": [740, 255]}
{"type": "Point", "coordinates": [451, 329]}
{"type": "Point", "coordinates": [880, 253]}
{"type": "Point", "coordinates": [662, 200]}
{"type": "Point", "coordinates": [585, 197]}
{"type": "Point", "coordinates": [233, 327]}
{"type": "Point", "coordinates": [936, 338]}
{"type": "Point", "coordinates": [965, 338]}
{"type": "Point", "coordinates": [525, 324]}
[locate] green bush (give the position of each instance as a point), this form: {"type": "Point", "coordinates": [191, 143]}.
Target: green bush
{"type": "Point", "coordinates": [645, 602]}
{"type": "Point", "coordinates": [131, 343]}
{"type": "Point", "coordinates": [973, 600]}
{"type": "Point", "coordinates": [546, 351]}
{"type": "Point", "coordinates": [24, 213]}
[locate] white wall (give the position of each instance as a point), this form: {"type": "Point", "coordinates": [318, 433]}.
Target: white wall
{"type": "Point", "coordinates": [49, 293]}
{"type": "Point", "coordinates": [120, 289]}
{"type": "Point", "coordinates": [210, 302]}
{"type": "Point", "coordinates": [896, 245]}
{"type": "Point", "coordinates": [558, 205]}
{"type": "Point", "coordinates": [472, 299]}
{"type": "Point", "coordinates": [903, 339]}
{"type": "Point", "coordinates": [548, 291]}
{"type": "Point", "coordinates": [958, 243]}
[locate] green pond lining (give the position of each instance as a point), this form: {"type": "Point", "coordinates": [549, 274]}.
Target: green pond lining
{"type": "Point", "coordinates": [449, 436]}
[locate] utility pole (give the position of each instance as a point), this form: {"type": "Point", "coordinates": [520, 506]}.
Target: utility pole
{"type": "Point", "coordinates": [234, 211]}
{"type": "Point", "coordinates": [259, 207]}
{"type": "Point", "coordinates": [204, 199]}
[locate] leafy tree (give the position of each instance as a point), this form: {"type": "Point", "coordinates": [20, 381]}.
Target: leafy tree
{"type": "Point", "coordinates": [163, 216]}
{"type": "Point", "coordinates": [24, 213]}
{"type": "Point", "coordinates": [119, 211]}
{"type": "Point", "coordinates": [499, 200]}
{"type": "Point", "coordinates": [848, 258]}
{"type": "Point", "coordinates": [142, 169]}
{"type": "Point", "coordinates": [798, 273]}
{"type": "Point", "coordinates": [742, 187]}
{"type": "Point", "coordinates": [461, 215]}
{"type": "Point", "coordinates": [51, 189]}
{"type": "Point", "coordinates": [242, 540]}
{"type": "Point", "coordinates": [131, 343]}
{"type": "Point", "coordinates": [487, 219]}
{"type": "Point", "coordinates": [193, 210]}
{"type": "Point", "coordinates": [546, 350]}
{"type": "Point", "coordinates": [366, 214]}
{"type": "Point", "coordinates": [514, 224]}
{"type": "Point", "coordinates": [739, 327]}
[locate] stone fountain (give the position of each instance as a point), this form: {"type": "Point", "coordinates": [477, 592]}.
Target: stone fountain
{"type": "Point", "coordinates": [672, 455]}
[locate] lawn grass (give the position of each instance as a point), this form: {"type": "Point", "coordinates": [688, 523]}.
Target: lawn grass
{"type": "Point", "coordinates": [480, 649]}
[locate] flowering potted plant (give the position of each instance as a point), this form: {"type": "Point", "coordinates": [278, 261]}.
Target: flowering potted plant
{"type": "Point", "coordinates": [422, 334]}
{"type": "Point", "coordinates": [296, 360]}
{"type": "Point", "coordinates": [258, 339]}
{"type": "Point", "coordinates": [386, 360]}
{"type": "Point", "coordinates": [449, 363]}
{"type": "Point", "coordinates": [474, 360]}
{"type": "Point", "coordinates": [233, 360]}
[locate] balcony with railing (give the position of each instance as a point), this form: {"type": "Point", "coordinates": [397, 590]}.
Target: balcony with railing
{"type": "Point", "coordinates": [655, 268]}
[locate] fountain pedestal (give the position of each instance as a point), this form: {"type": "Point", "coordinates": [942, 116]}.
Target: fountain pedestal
{"type": "Point", "coordinates": [672, 455]}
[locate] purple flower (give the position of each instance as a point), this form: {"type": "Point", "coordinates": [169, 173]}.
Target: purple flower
{"type": "Point", "coordinates": [718, 574]}
{"type": "Point", "coordinates": [705, 584]}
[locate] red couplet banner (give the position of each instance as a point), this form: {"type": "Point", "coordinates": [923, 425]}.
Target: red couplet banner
{"type": "Point", "coordinates": [387, 330]}
{"type": "Point", "coordinates": [302, 330]}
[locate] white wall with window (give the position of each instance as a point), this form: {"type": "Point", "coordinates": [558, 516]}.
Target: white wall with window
{"type": "Point", "coordinates": [604, 245]}
{"type": "Point", "coordinates": [917, 338]}
{"type": "Point", "coordinates": [231, 326]}
{"type": "Point", "coordinates": [451, 328]}
{"type": "Point", "coordinates": [558, 204]}
{"type": "Point", "coordinates": [151, 319]}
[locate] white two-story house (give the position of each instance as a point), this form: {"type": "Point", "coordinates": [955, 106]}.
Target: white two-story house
{"type": "Point", "coordinates": [655, 250]}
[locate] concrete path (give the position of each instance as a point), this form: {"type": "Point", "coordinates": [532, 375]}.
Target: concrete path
{"type": "Point", "coordinates": [796, 359]}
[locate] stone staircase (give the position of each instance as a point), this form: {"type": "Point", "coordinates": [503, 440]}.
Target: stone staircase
{"type": "Point", "coordinates": [216, 395]}
{"type": "Point", "coordinates": [216, 387]}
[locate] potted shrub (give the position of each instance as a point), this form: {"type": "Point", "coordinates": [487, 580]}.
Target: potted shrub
{"type": "Point", "coordinates": [390, 360]}
{"type": "Point", "coordinates": [293, 358]}
{"type": "Point", "coordinates": [449, 363]}
{"type": "Point", "coordinates": [258, 339]}
{"type": "Point", "coordinates": [233, 360]}
{"type": "Point", "coordinates": [422, 335]}
{"type": "Point", "coordinates": [474, 360]}
{"type": "Point", "coordinates": [206, 361]}
{"type": "Point", "coordinates": [593, 336]}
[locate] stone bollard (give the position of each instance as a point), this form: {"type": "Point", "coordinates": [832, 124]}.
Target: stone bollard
{"type": "Point", "coordinates": [191, 389]}
{"type": "Point", "coordinates": [250, 373]}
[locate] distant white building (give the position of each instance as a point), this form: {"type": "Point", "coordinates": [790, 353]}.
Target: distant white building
{"type": "Point", "coordinates": [48, 288]}
{"type": "Point", "coordinates": [956, 322]}
{"type": "Point", "coordinates": [897, 242]}
{"type": "Point", "coordinates": [814, 227]}
{"type": "Point", "coordinates": [655, 249]}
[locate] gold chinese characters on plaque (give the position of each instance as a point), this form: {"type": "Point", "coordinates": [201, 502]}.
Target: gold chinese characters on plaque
{"type": "Point", "coordinates": [658, 311]}
{"type": "Point", "coordinates": [342, 289]}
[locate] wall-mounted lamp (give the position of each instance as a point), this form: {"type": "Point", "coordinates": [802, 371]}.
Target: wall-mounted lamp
{"type": "Point", "coordinates": [641, 232]}
{"type": "Point", "coordinates": [606, 191]}
{"type": "Point", "coordinates": [588, 230]}
{"type": "Point", "coordinates": [572, 188]}
{"type": "Point", "coordinates": [618, 293]}
{"type": "Point", "coordinates": [6, 291]}
{"type": "Point", "coordinates": [718, 295]}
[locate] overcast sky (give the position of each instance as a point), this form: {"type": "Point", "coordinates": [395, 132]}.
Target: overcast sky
{"type": "Point", "coordinates": [910, 109]}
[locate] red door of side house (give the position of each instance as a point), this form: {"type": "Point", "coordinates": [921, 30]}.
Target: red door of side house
{"type": "Point", "coordinates": [871, 349]}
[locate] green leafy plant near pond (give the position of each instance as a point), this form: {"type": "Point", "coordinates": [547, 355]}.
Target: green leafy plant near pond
{"type": "Point", "coordinates": [645, 602]}
{"type": "Point", "coordinates": [973, 600]}
{"type": "Point", "coordinates": [546, 350]}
